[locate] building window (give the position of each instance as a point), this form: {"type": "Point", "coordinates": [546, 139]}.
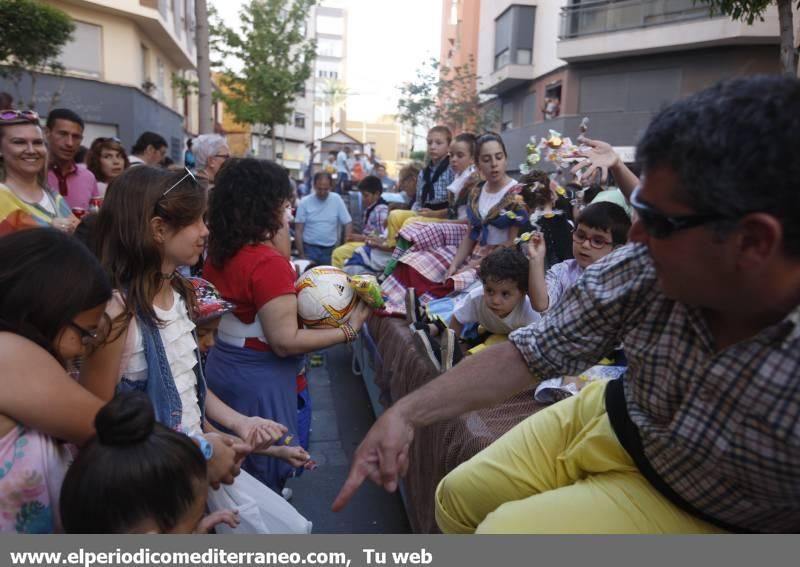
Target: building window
{"type": "Point", "coordinates": [508, 116]}
{"type": "Point", "coordinates": [524, 57]}
{"type": "Point", "coordinates": [513, 36]}
{"type": "Point", "coordinates": [529, 109]}
{"type": "Point", "coordinates": [328, 47]}
{"type": "Point", "coordinates": [300, 120]}
{"type": "Point", "coordinates": [84, 53]}
{"type": "Point", "coordinates": [552, 101]}
{"type": "Point", "coordinates": [189, 23]}
{"type": "Point", "coordinates": [162, 79]}
{"type": "Point", "coordinates": [330, 25]}
{"type": "Point", "coordinates": [327, 74]}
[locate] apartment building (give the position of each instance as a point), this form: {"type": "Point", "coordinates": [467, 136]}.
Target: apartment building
{"type": "Point", "coordinates": [318, 109]}
{"type": "Point", "coordinates": [460, 28]}
{"type": "Point", "coordinates": [330, 68]}
{"type": "Point", "coordinates": [390, 140]}
{"type": "Point", "coordinates": [119, 68]}
{"type": "Point", "coordinates": [546, 64]}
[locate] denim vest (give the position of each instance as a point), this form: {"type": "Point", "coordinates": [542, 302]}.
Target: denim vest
{"type": "Point", "coordinates": [160, 385]}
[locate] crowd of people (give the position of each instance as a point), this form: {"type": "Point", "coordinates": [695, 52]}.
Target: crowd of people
{"type": "Point", "coordinates": [699, 433]}
{"type": "Point", "coordinates": [155, 381]}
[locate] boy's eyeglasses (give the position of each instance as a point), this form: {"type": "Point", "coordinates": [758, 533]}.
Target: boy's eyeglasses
{"type": "Point", "coordinates": [179, 181]}
{"type": "Point", "coordinates": [10, 114]}
{"type": "Point", "coordinates": [596, 242]}
{"type": "Point", "coordinates": [659, 225]}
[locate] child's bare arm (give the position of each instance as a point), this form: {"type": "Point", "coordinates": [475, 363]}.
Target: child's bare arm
{"type": "Point", "coordinates": [295, 456]}
{"type": "Point", "coordinates": [537, 288]}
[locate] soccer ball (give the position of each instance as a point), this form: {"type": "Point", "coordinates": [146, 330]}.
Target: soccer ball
{"type": "Point", "coordinates": [325, 297]}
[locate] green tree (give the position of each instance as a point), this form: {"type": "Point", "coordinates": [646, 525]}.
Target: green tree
{"type": "Point", "coordinates": [444, 95]}
{"type": "Point", "coordinates": [273, 59]}
{"type": "Point", "coordinates": [33, 37]}
{"type": "Point", "coordinates": [750, 10]}
{"type": "Point", "coordinates": [459, 105]}
{"type": "Point", "coordinates": [417, 103]}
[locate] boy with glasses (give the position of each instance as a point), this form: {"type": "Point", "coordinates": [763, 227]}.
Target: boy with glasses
{"type": "Point", "coordinates": [601, 228]}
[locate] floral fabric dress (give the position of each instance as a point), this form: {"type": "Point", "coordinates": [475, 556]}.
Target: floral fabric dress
{"type": "Point", "coordinates": [32, 469]}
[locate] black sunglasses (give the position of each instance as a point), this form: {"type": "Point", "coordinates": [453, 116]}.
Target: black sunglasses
{"type": "Point", "coordinates": [659, 225]}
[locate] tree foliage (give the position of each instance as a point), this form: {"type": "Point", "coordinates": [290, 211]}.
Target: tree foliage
{"type": "Point", "coordinates": [33, 37]}
{"type": "Point", "coordinates": [417, 103]}
{"type": "Point", "coordinates": [273, 60]}
{"type": "Point", "coordinates": [445, 95]}
{"type": "Point", "coordinates": [751, 10]}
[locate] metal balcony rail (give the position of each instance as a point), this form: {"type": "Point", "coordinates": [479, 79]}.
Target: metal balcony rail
{"type": "Point", "coordinates": [606, 16]}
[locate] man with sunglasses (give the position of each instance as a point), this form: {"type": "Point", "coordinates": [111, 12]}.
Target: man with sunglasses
{"type": "Point", "coordinates": [76, 184]}
{"type": "Point", "coordinates": [701, 434]}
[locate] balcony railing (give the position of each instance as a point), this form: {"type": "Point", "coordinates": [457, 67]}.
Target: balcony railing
{"type": "Point", "coordinates": [606, 16]}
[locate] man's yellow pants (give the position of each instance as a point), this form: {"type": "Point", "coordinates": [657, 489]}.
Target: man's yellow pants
{"type": "Point", "coordinates": [399, 218]}
{"type": "Point", "coordinates": [562, 470]}
{"type": "Point", "coordinates": [341, 254]}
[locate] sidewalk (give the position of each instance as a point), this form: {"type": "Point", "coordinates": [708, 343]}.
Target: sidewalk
{"type": "Point", "coordinates": [342, 414]}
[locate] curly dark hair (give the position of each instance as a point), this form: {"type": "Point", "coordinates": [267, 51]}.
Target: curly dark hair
{"type": "Point", "coordinates": [536, 189]}
{"type": "Point", "coordinates": [246, 206]}
{"type": "Point", "coordinates": [506, 264]}
{"type": "Point", "coordinates": [609, 217]}
{"type": "Point", "coordinates": [733, 150]}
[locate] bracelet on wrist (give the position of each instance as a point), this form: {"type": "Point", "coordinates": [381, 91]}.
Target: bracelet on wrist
{"type": "Point", "coordinates": [350, 334]}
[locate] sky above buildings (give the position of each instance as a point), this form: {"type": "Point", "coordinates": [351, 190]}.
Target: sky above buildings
{"type": "Point", "coordinates": [387, 40]}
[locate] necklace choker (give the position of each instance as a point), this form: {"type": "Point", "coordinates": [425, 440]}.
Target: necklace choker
{"type": "Point", "coordinates": [169, 276]}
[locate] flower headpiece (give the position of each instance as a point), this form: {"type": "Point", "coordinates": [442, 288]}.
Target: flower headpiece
{"type": "Point", "coordinates": [555, 148]}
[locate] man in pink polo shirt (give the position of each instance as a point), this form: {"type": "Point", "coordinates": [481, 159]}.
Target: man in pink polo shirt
{"type": "Point", "coordinates": [64, 134]}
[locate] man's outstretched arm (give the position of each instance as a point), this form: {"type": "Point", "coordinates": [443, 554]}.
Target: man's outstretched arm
{"type": "Point", "coordinates": [482, 380]}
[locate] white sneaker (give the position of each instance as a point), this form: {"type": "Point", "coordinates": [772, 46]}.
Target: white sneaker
{"type": "Point", "coordinates": [287, 493]}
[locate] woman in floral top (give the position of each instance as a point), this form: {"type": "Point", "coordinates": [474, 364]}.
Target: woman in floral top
{"type": "Point", "coordinates": [42, 327]}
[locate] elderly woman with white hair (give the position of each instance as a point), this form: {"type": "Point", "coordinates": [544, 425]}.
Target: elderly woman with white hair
{"type": "Point", "coordinates": [210, 152]}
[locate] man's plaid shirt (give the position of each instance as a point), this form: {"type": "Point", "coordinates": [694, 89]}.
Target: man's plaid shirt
{"type": "Point", "coordinates": [719, 432]}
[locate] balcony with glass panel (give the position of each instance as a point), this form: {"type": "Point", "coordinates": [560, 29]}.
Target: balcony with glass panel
{"type": "Point", "coordinates": [592, 29]}
{"type": "Point", "coordinates": [606, 16]}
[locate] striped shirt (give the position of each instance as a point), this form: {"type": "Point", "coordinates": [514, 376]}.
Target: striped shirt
{"type": "Point", "coordinates": [717, 433]}
{"type": "Point", "coordinates": [559, 279]}
{"type": "Point", "coordinates": [373, 221]}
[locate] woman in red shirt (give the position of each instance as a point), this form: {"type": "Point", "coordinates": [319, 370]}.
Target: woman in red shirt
{"type": "Point", "coordinates": [259, 346]}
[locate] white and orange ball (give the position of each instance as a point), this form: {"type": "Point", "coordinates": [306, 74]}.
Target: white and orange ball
{"type": "Point", "coordinates": [325, 297]}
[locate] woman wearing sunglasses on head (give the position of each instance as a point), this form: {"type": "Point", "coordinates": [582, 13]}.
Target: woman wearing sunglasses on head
{"type": "Point", "coordinates": [25, 199]}
{"type": "Point", "coordinates": [107, 160]}
{"type": "Point", "coordinates": [150, 224]}
{"type": "Point", "coordinates": [42, 329]}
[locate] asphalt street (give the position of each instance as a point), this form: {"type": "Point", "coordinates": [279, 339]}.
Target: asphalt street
{"type": "Point", "coordinates": [341, 416]}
